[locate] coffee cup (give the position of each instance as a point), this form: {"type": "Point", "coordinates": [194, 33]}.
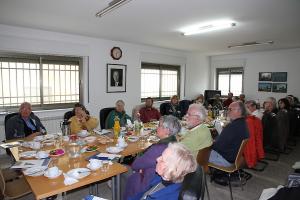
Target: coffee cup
{"type": "Point", "coordinates": [94, 163]}
{"type": "Point", "coordinates": [83, 133]}
{"type": "Point", "coordinates": [53, 171]}
{"type": "Point", "coordinates": [66, 138]}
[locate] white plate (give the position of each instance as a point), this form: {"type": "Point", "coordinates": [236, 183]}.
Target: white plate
{"type": "Point", "coordinates": [79, 173]}
{"type": "Point", "coordinates": [44, 155]}
{"type": "Point", "coordinates": [114, 149]}
{"type": "Point", "coordinates": [28, 154]}
{"type": "Point", "coordinates": [52, 177]}
{"type": "Point", "coordinates": [90, 139]}
{"type": "Point", "coordinates": [38, 138]}
{"type": "Point", "coordinates": [93, 169]}
{"type": "Point", "coordinates": [133, 138]}
{"type": "Point", "coordinates": [35, 171]}
{"type": "Point", "coordinates": [81, 134]}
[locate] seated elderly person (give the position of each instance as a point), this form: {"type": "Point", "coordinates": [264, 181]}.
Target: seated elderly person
{"type": "Point", "coordinates": [175, 162]}
{"type": "Point", "coordinates": [118, 112]}
{"type": "Point", "coordinates": [252, 107]}
{"type": "Point", "coordinates": [229, 100]}
{"type": "Point", "coordinates": [173, 107]}
{"type": "Point", "coordinates": [144, 166]}
{"type": "Point", "coordinates": [24, 124]}
{"type": "Point", "coordinates": [198, 136]}
{"type": "Point", "coordinates": [82, 120]}
{"type": "Point", "coordinates": [227, 144]}
{"type": "Point", "coordinates": [148, 113]}
{"type": "Point", "coordinates": [242, 98]}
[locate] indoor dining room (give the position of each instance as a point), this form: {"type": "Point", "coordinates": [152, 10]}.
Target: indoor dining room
{"type": "Point", "coordinates": [137, 99]}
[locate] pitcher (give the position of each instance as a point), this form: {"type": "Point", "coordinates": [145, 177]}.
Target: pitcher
{"type": "Point", "coordinates": [65, 127]}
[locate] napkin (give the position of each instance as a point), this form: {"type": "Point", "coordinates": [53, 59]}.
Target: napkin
{"type": "Point", "coordinates": [69, 180]}
{"type": "Point", "coordinates": [218, 126]}
{"type": "Point", "coordinates": [108, 156]}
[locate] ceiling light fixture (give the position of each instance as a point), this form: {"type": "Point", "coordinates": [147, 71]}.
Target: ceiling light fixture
{"type": "Point", "coordinates": [246, 44]}
{"type": "Point", "coordinates": [112, 6]}
{"type": "Point", "coordinates": [207, 27]}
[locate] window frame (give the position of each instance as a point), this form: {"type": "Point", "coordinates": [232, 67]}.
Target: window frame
{"type": "Point", "coordinates": [160, 67]}
{"type": "Point", "coordinates": [229, 70]}
{"type": "Point", "coordinates": [45, 59]}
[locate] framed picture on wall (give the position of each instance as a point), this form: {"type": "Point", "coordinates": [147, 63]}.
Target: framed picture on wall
{"type": "Point", "coordinates": [279, 87]}
{"type": "Point", "coordinates": [265, 76]}
{"type": "Point", "coordinates": [264, 87]}
{"type": "Point", "coordinates": [279, 76]}
{"type": "Point", "coordinates": [116, 78]}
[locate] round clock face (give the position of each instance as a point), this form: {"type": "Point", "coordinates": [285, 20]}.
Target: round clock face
{"type": "Point", "coordinates": [116, 53]}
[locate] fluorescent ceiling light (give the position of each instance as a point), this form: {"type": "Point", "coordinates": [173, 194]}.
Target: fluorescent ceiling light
{"type": "Point", "coordinates": [246, 44]}
{"type": "Point", "coordinates": [207, 27]}
{"type": "Point", "coordinates": [112, 6]}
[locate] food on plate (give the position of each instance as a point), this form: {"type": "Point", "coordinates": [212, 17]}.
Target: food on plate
{"type": "Point", "coordinates": [57, 152]}
{"type": "Point", "coordinates": [91, 148]}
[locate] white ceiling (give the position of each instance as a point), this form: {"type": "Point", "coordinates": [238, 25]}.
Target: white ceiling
{"type": "Point", "coordinates": [157, 22]}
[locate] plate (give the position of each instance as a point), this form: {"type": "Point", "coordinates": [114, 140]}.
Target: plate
{"type": "Point", "coordinates": [153, 138]}
{"type": "Point", "coordinates": [38, 138]}
{"type": "Point", "coordinates": [79, 173]}
{"type": "Point", "coordinates": [28, 154]}
{"type": "Point", "coordinates": [83, 134]}
{"type": "Point", "coordinates": [91, 148]}
{"type": "Point", "coordinates": [56, 152]}
{"type": "Point", "coordinates": [48, 142]}
{"type": "Point", "coordinates": [114, 149]}
{"type": "Point", "coordinates": [90, 139]}
{"type": "Point", "coordinates": [132, 138]}
{"type": "Point", "coordinates": [35, 171]}
{"type": "Point", "coordinates": [52, 177]}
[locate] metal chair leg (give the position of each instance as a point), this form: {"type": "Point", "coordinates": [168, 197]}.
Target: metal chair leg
{"type": "Point", "coordinates": [229, 183]}
{"type": "Point", "coordinates": [241, 182]}
{"type": "Point", "coordinates": [206, 187]}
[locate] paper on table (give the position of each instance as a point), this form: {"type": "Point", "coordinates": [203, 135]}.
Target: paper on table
{"type": "Point", "coordinates": [108, 155]}
{"type": "Point", "coordinates": [69, 180]}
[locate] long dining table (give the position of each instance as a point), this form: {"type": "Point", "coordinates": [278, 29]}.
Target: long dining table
{"type": "Point", "coordinates": [43, 187]}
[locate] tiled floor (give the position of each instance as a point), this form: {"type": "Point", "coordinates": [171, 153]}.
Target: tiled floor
{"type": "Point", "coordinates": [274, 175]}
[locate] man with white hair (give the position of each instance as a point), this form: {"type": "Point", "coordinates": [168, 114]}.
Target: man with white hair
{"type": "Point", "coordinates": [198, 136]}
{"type": "Point", "coordinates": [252, 107]}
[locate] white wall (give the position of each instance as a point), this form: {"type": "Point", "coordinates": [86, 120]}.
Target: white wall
{"type": "Point", "coordinates": [197, 75]}
{"type": "Point", "coordinates": [266, 61]}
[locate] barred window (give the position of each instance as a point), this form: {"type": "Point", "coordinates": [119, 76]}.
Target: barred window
{"type": "Point", "coordinates": [230, 80]}
{"type": "Point", "coordinates": [44, 81]}
{"type": "Point", "coordinates": [159, 81]}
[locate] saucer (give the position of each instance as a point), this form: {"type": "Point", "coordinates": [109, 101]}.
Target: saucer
{"type": "Point", "coordinates": [92, 168]}
{"type": "Point", "coordinates": [79, 173]}
{"type": "Point", "coordinates": [114, 149]}
{"type": "Point", "coordinates": [52, 177]}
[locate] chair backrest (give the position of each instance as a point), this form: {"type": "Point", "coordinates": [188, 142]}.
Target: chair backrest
{"type": "Point", "coordinates": [203, 157]}
{"type": "Point", "coordinates": [193, 185]}
{"type": "Point", "coordinates": [2, 185]}
{"type": "Point", "coordinates": [163, 109]}
{"type": "Point", "coordinates": [7, 117]}
{"type": "Point", "coordinates": [239, 160]}
{"type": "Point", "coordinates": [103, 115]}
{"type": "Point", "coordinates": [184, 106]}
{"type": "Point", "coordinates": [68, 115]}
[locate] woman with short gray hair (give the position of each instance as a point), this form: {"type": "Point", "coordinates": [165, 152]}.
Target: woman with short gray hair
{"type": "Point", "coordinates": [144, 166]}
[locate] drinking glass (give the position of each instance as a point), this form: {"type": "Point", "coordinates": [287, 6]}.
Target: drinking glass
{"type": "Point", "coordinates": [73, 150]}
{"type": "Point", "coordinates": [105, 166]}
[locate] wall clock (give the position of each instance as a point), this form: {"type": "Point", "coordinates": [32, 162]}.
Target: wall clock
{"type": "Point", "coordinates": [116, 53]}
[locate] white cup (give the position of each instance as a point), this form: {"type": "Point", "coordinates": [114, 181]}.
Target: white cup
{"type": "Point", "coordinates": [53, 171]}
{"type": "Point", "coordinates": [83, 133]}
{"type": "Point", "coordinates": [66, 138]}
{"type": "Point", "coordinates": [42, 154]}
{"type": "Point", "coordinates": [94, 163]}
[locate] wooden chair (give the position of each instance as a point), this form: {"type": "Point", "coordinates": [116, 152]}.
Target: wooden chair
{"type": "Point", "coordinates": [13, 189]}
{"type": "Point", "coordinates": [202, 160]}
{"type": "Point", "coordinates": [239, 161]}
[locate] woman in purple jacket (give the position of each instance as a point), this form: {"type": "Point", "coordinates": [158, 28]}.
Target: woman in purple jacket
{"type": "Point", "coordinates": [144, 166]}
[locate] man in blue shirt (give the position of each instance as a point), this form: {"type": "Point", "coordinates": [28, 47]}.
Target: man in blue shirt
{"type": "Point", "coordinates": [24, 124]}
{"type": "Point", "coordinates": [227, 144]}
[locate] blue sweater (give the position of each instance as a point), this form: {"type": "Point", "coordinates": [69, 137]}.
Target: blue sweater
{"type": "Point", "coordinates": [229, 141]}
{"type": "Point", "coordinates": [170, 192]}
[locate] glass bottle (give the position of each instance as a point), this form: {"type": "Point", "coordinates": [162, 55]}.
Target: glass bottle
{"type": "Point", "coordinates": [117, 127]}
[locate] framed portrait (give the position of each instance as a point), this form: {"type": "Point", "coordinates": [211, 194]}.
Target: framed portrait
{"type": "Point", "coordinates": [265, 76]}
{"type": "Point", "coordinates": [279, 76]}
{"type": "Point", "coordinates": [264, 87]}
{"type": "Point", "coordinates": [279, 87]}
{"type": "Point", "coordinates": [116, 78]}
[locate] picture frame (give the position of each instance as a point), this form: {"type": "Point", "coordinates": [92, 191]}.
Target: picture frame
{"type": "Point", "coordinates": [279, 76]}
{"type": "Point", "coordinates": [116, 78]}
{"type": "Point", "coordinates": [264, 87]}
{"type": "Point", "coordinates": [265, 76]}
{"type": "Point", "coordinates": [279, 87]}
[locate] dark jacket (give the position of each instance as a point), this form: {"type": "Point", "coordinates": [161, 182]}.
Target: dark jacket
{"type": "Point", "coordinates": [16, 127]}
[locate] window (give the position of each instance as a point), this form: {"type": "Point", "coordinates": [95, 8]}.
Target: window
{"type": "Point", "coordinates": [159, 81]}
{"type": "Point", "coordinates": [44, 81]}
{"type": "Point", "coordinates": [230, 80]}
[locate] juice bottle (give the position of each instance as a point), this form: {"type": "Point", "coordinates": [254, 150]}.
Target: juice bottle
{"type": "Point", "coordinates": [117, 127]}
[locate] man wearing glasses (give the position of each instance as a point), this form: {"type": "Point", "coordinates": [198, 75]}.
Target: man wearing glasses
{"type": "Point", "coordinates": [227, 144]}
